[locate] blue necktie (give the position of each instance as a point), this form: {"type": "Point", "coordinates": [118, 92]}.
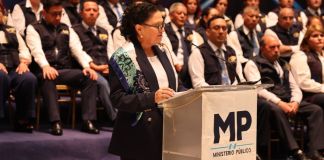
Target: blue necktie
{"type": "Point", "coordinates": [254, 43]}
{"type": "Point", "coordinates": [221, 59]}
{"type": "Point", "coordinates": [117, 11]}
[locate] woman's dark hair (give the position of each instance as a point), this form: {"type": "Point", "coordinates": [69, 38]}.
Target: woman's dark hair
{"type": "Point", "coordinates": [304, 46]}
{"type": "Point", "coordinates": [47, 4]}
{"type": "Point", "coordinates": [205, 13]}
{"type": "Point", "coordinates": [198, 10]}
{"type": "Point", "coordinates": [135, 14]}
{"type": "Point", "coordinates": [215, 3]}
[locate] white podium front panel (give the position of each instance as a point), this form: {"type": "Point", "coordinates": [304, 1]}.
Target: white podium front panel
{"type": "Point", "coordinates": [210, 125]}
{"type": "Point", "coordinates": [229, 125]}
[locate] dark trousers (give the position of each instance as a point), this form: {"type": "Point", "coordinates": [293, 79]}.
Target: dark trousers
{"type": "Point", "coordinates": [311, 114]}
{"type": "Point", "coordinates": [24, 88]}
{"type": "Point", "coordinates": [263, 127]}
{"type": "Point", "coordinates": [75, 79]}
{"type": "Point", "coordinates": [317, 99]}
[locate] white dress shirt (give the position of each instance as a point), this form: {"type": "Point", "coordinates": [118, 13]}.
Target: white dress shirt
{"type": "Point", "coordinates": [180, 56]}
{"type": "Point", "coordinates": [252, 73]}
{"type": "Point", "coordinates": [196, 66]}
{"type": "Point", "coordinates": [18, 17]}
{"type": "Point", "coordinates": [302, 73]}
{"type": "Point", "coordinates": [234, 42]}
{"type": "Point", "coordinates": [35, 45]}
{"type": "Point", "coordinates": [159, 71]}
{"type": "Point", "coordinates": [22, 48]}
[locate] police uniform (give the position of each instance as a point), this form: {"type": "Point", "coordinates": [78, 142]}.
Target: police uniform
{"type": "Point", "coordinates": [95, 42]}
{"type": "Point", "coordinates": [23, 86]}
{"type": "Point", "coordinates": [57, 46]}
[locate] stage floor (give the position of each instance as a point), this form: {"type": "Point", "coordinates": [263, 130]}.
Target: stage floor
{"type": "Point", "coordinates": [40, 145]}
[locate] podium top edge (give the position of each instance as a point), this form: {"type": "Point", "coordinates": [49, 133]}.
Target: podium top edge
{"type": "Point", "coordinates": [217, 88]}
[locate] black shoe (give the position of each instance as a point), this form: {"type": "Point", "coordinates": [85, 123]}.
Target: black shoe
{"type": "Point", "coordinates": [23, 127]}
{"type": "Point", "coordinates": [315, 156]}
{"type": "Point", "coordinates": [299, 155]}
{"type": "Point", "coordinates": [89, 128]}
{"type": "Point", "coordinates": [56, 129]}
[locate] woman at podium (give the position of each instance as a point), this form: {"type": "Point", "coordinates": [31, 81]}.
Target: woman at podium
{"type": "Point", "coordinates": [142, 76]}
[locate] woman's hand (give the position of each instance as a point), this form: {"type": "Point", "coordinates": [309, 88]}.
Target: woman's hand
{"type": "Point", "coordinates": [163, 94]}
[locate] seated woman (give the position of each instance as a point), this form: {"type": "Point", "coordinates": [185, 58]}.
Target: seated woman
{"type": "Point", "coordinates": [142, 75]}
{"type": "Point", "coordinates": [221, 6]}
{"type": "Point", "coordinates": [193, 9]}
{"type": "Point", "coordinates": [307, 65]}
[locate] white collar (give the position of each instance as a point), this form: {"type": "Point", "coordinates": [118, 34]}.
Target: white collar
{"type": "Point", "coordinates": [247, 31]}
{"type": "Point", "coordinates": [214, 47]}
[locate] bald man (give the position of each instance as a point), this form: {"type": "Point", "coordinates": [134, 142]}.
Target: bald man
{"type": "Point", "coordinates": [285, 99]}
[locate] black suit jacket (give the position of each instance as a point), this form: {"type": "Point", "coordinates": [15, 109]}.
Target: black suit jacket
{"type": "Point", "coordinates": [143, 140]}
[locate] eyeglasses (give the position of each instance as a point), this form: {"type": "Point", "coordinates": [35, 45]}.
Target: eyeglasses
{"type": "Point", "coordinates": [157, 26]}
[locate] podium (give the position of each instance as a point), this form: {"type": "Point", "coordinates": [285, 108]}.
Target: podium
{"type": "Point", "coordinates": [211, 123]}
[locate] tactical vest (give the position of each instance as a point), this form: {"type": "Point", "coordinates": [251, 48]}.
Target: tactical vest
{"type": "Point", "coordinates": [95, 46]}
{"type": "Point", "coordinates": [287, 38]}
{"type": "Point", "coordinates": [213, 69]}
{"type": "Point", "coordinates": [72, 13]}
{"type": "Point", "coordinates": [55, 44]}
{"type": "Point", "coordinates": [269, 74]}
{"type": "Point", "coordinates": [245, 42]}
{"type": "Point", "coordinates": [175, 41]}
{"type": "Point", "coordinates": [315, 66]}
{"type": "Point", "coordinates": [30, 17]}
{"type": "Point", "coordinates": [112, 18]}
{"type": "Point", "coordinates": [9, 54]}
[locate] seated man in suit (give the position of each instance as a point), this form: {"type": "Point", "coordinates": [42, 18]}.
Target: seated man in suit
{"type": "Point", "coordinates": [182, 37]}
{"type": "Point", "coordinates": [55, 47]}
{"type": "Point", "coordinates": [15, 76]}
{"type": "Point", "coordinates": [285, 99]}
{"type": "Point", "coordinates": [97, 42]}
{"type": "Point", "coordinates": [245, 40]}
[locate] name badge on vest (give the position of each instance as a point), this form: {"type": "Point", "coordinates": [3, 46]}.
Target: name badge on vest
{"type": "Point", "coordinates": [263, 20]}
{"type": "Point", "coordinates": [65, 31]}
{"type": "Point", "coordinates": [296, 34]}
{"type": "Point", "coordinates": [190, 37]}
{"type": "Point", "coordinates": [103, 37]}
{"type": "Point", "coordinates": [231, 59]}
{"type": "Point", "coordinates": [11, 30]}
